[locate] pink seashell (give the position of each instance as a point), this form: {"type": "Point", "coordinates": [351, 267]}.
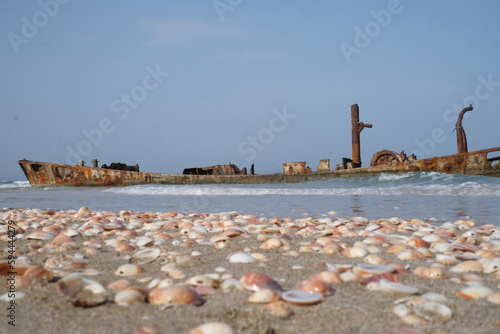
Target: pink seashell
{"type": "Point", "coordinates": [257, 281]}
{"type": "Point", "coordinates": [312, 285]}
{"type": "Point", "coordinates": [177, 294]}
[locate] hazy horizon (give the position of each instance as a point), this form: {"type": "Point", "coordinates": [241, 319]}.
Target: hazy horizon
{"type": "Point", "coordinates": [171, 85]}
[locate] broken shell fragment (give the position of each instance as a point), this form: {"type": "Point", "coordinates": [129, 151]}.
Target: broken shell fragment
{"type": "Point", "coordinates": [82, 291]}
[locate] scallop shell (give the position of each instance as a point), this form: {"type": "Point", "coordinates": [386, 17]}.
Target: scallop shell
{"type": "Point", "coordinates": [433, 311]}
{"type": "Point", "coordinates": [257, 281]}
{"type": "Point", "coordinates": [317, 286]}
{"type": "Point", "coordinates": [353, 252]}
{"type": "Point", "coordinates": [177, 294]}
{"type": "Point", "coordinates": [492, 266]}
{"type": "Point", "coordinates": [82, 291]}
{"type": "Point", "coordinates": [146, 255]}
{"type": "Point", "coordinates": [299, 297]}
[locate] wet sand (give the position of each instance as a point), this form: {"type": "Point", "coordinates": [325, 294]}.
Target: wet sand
{"type": "Point", "coordinates": [351, 309]}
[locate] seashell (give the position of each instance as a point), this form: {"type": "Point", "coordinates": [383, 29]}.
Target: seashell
{"type": "Point", "coordinates": [312, 285]}
{"type": "Point", "coordinates": [145, 241]}
{"type": "Point", "coordinates": [471, 278]}
{"type": "Point", "coordinates": [365, 269]}
{"type": "Point", "coordinates": [124, 247]}
{"type": "Point", "coordinates": [241, 257]}
{"type": "Point", "coordinates": [271, 243]}
{"type": "Point", "coordinates": [393, 287]}
{"type": "Point", "coordinates": [349, 276]}
{"type": "Point", "coordinates": [353, 252]}
{"type": "Point", "coordinates": [129, 270]}
{"type": "Point", "coordinates": [177, 294]}
{"type": "Point", "coordinates": [279, 309]}
{"type": "Point", "coordinates": [299, 297]}
{"type": "Point", "coordinates": [377, 278]}
{"type": "Point", "coordinates": [118, 285]}
{"type": "Point", "coordinates": [433, 272]}
{"type": "Point", "coordinates": [146, 255]}
{"type": "Point", "coordinates": [257, 281]}
{"type": "Point", "coordinates": [414, 319]}
{"type": "Point", "coordinates": [410, 255]}
{"type": "Point", "coordinates": [396, 249]}
{"type": "Point", "coordinates": [230, 284]}
{"type": "Point", "coordinates": [418, 243]}
{"type": "Point", "coordinates": [202, 280]}
{"type": "Point", "coordinates": [129, 297]}
{"type": "Point", "coordinates": [375, 259]}
{"type": "Point", "coordinates": [259, 257]}
{"type": "Point", "coordinates": [146, 330]}
{"type": "Point", "coordinates": [467, 266]}
{"type": "Point", "coordinates": [263, 296]}
{"type": "Point", "coordinates": [38, 272]}
{"type": "Point", "coordinates": [212, 328]}
{"type": "Point", "coordinates": [219, 238]}
{"type": "Point", "coordinates": [433, 311]}
{"type": "Point", "coordinates": [401, 310]}
{"type": "Point", "coordinates": [492, 266]}
{"type": "Point", "coordinates": [328, 277]}
{"type": "Point", "coordinates": [165, 283]}
{"type": "Point", "coordinates": [82, 291]}
{"type": "Point", "coordinates": [494, 298]}
{"type": "Point", "coordinates": [475, 292]}
{"type": "Point", "coordinates": [447, 260]}
{"type": "Point", "coordinates": [40, 235]}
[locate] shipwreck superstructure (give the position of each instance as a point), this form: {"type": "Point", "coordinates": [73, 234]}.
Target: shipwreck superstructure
{"type": "Point", "coordinates": [483, 162]}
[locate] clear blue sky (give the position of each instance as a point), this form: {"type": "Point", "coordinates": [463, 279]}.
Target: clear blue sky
{"type": "Point", "coordinates": [175, 84]}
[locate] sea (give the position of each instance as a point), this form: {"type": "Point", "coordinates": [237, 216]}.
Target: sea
{"type": "Point", "coordinates": [429, 196]}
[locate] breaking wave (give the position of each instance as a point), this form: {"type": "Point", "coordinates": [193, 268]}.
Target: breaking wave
{"type": "Point", "coordinates": [426, 183]}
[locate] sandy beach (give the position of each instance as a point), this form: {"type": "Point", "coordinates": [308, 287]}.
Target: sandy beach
{"type": "Point", "coordinates": [446, 277]}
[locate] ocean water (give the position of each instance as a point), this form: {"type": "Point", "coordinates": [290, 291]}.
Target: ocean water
{"type": "Point", "coordinates": [425, 195]}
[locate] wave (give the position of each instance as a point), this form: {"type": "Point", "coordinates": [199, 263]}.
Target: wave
{"type": "Point", "coordinates": [428, 183]}
{"type": "Point", "coordinates": [14, 184]}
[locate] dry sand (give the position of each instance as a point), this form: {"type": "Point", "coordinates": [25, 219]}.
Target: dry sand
{"type": "Point", "coordinates": [352, 309]}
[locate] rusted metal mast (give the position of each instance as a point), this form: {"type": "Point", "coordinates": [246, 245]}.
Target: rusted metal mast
{"type": "Point", "coordinates": [357, 127]}
{"type": "Point", "coordinates": [461, 138]}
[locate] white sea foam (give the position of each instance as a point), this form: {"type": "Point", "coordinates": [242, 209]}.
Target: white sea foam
{"type": "Point", "coordinates": [14, 184]}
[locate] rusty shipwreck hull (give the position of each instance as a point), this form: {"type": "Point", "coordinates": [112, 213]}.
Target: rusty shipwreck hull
{"type": "Point", "coordinates": [483, 162]}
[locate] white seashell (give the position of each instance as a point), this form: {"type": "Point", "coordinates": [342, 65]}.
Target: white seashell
{"type": "Point", "coordinates": [146, 255]}
{"type": "Point", "coordinates": [263, 296]}
{"type": "Point", "coordinates": [40, 235]}
{"type": "Point", "coordinates": [302, 298]}
{"type": "Point", "coordinates": [154, 283]}
{"type": "Point", "coordinates": [229, 284]}
{"type": "Point", "coordinates": [397, 288]}
{"type": "Point", "coordinates": [145, 241]}
{"type": "Point", "coordinates": [467, 266]}
{"type": "Point", "coordinates": [241, 257]}
{"type": "Point", "coordinates": [372, 269]}
{"type": "Point", "coordinates": [82, 291]}
{"type": "Point", "coordinates": [129, 297]}
{"type": "Point", "coordinates": [492, 266]}
{"type": "Point", "coordinates": [212, 328]}
{"type": "Point", "coordinates": [401, 310]}
{"type": "Point", "coordinates": [202, 280]}
{"type": "Point", "coordinates": [433, 311]}
{"type": "Point", "coordinates": [165, 283]}
{"type": "Point", "coordinates": [475, 292]}
{"type": "Point", "coordinates": [128, 270]}
{"type": "Point", "coordinates": [435, 297]}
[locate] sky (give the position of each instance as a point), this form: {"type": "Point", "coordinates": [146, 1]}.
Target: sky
{"type": "Point", "coordinates": [177, 84]}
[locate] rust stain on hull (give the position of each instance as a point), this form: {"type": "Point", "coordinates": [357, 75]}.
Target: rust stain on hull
{"type": "Point", "coordinates": [51, 174]}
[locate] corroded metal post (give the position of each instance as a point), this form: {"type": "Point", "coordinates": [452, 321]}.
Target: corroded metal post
{"type": "Point", "coordinates": [357, 127]}
{"type": "Point", "coordinates": [461, 138]}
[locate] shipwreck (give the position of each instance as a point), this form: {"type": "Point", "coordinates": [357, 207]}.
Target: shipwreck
{"type": "Point", "coordinates": [483, 162]}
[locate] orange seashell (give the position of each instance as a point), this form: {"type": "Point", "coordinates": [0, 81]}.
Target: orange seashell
{"type": "Point", "coordinates": [375, 240]}
{"type": "Point", "coordinates": [328, 277]}
{"type": "Point", "coordinates": [475, 292]}
{"type": "Point", "coordinates": [467, 266]}
{"type": "Point", "coordinates": [257, 281]}
{"type": "Point", "coordinates": [418, 243]}
{"type": "Point", "coordinates": [124, 247]}
{"type": "Point", "coordinates": [375, 259]}
{"type": "Point", "coordinates": [177, 294]}
{"type": "Point", "coordinates": [410, 255]}
{"type": "Point", "coordinates": [279, 309]}
{"type": "Point", "coordinates": [331, 249]}
{"type": "Point", "coordinates": [313, 285]}
{"type": "Point", "coordinates": [39, 272]}
{"type": "Point", "coordinates": [353, 252]}
{"type": "Point", "coordinates": [396, 249]}
{"type": "Point", "coordinates": [272, 243]}
{"type": "Point", "coordinates": [118, 285]}
{"type": "Point", "coordinates": [146, 330]}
